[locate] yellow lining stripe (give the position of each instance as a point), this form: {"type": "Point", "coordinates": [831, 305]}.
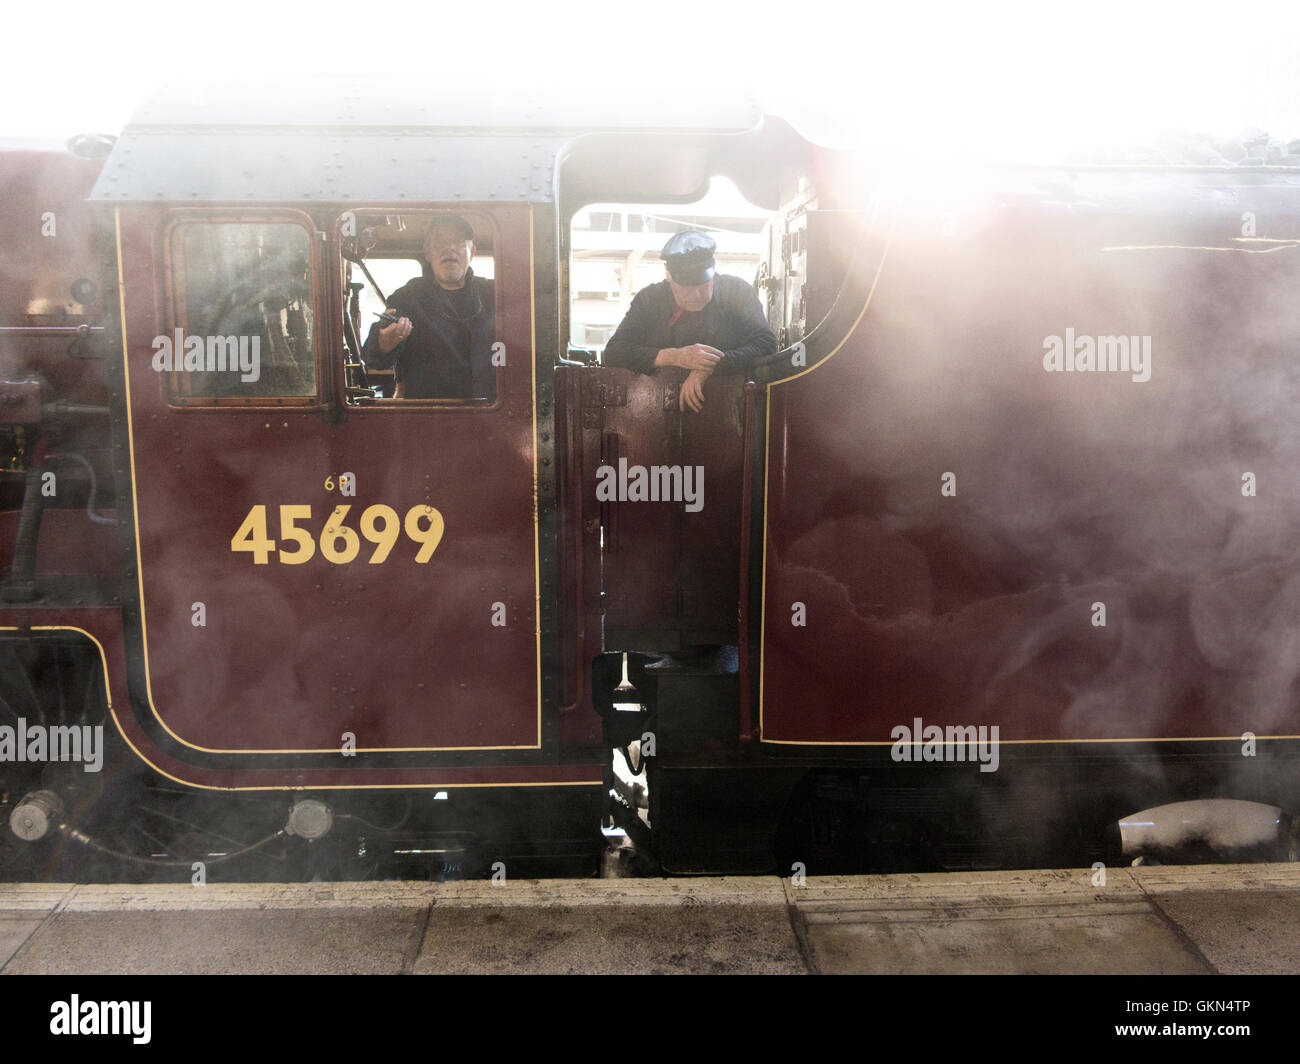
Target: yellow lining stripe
{"type": "Point", "coordinates": [537, 555]}
{"type": "Point", "coordinates": [1197, 247]}
{"type": "Point", "coordinates": [139, 563]}
{"type": "Point", "coordinates": [108, 696]}
{"type": "Point", "coordinates": [767, 470]}
{"type": "Point", "coordinates": [763, 623]}
{"type": "Point", "coordinates": [1026, 742]}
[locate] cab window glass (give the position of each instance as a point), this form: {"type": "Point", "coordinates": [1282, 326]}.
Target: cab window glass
{"type": "Point", "coordinates": [244, 325]}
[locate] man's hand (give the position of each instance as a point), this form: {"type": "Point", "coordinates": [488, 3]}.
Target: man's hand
{"type": "Point", "coordinates": [692, 395]}
{"type": "Point", "coordinates": [695, 357]}
{"type": "Point", "coordinates": [392, 335]}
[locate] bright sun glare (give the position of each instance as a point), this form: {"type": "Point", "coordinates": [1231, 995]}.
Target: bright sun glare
{"type": "Point", "coordinates": [944, 82]}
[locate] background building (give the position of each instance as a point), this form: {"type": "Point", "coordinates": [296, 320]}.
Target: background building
{"type": "Point", "coordinates": [615, 252]}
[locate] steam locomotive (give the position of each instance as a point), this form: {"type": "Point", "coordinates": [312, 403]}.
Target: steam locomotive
{"type": "Point", "coordinates": [1000, 546]}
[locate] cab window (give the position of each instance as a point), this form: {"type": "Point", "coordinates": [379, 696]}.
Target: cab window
{"type": "Point", "coordinates": [384, 261]}
{"type": "Point", "coordinates": [242, 314]}
{"type": "Point", "coordinates": [615, 254]}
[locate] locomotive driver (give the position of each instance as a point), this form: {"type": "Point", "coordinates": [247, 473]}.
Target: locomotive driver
{"type": "Point", "coordinates": [441, 344]}
{"type": "Point", "coordinates": [697, 319]}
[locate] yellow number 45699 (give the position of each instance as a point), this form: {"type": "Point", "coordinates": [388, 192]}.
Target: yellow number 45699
{"type": "Point", "coordinates": [338, 543]}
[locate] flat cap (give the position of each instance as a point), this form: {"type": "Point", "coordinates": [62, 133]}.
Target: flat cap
{"type": "Point", "coordinates": [455, 222]}
{"type": "Point", "coordinates": [689, 256]}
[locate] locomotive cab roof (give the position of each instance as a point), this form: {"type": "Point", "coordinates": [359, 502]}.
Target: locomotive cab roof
{"type": "Point", "coordinates": [341, 140]}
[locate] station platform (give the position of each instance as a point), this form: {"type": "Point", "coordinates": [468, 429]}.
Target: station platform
{"type": "Point", "coordinates": [1229, 919]}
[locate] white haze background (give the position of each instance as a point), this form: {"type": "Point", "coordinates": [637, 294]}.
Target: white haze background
{"type": "Point", "coordinates": [937, 81]}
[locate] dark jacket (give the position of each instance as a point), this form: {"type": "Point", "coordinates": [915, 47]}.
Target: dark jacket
{"type": "Point", "coordinates": [733, 322]}
{"type": "Point", "coordinates": [449, 352]}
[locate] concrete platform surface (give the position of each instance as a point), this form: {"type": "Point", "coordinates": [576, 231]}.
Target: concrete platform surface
{"type": "Point", "coordinates": [1150, 920]}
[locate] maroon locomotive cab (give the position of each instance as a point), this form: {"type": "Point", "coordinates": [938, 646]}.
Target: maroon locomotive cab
{"type": "Point", "coordinates": [319, 573]}
{"type": "Point", "coordinates": [1022, 469]}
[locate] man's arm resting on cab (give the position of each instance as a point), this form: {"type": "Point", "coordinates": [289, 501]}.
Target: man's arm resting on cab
{"type": "Point", "coordinates": [627, 348]}
{"type": "Point", "coordinates": [695, 357]}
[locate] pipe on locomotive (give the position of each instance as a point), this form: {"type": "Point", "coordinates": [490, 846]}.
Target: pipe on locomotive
{"type": "Point", "coordinates": [33, 817]}
{"type": "Point", "coordinates": [98, 519]}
